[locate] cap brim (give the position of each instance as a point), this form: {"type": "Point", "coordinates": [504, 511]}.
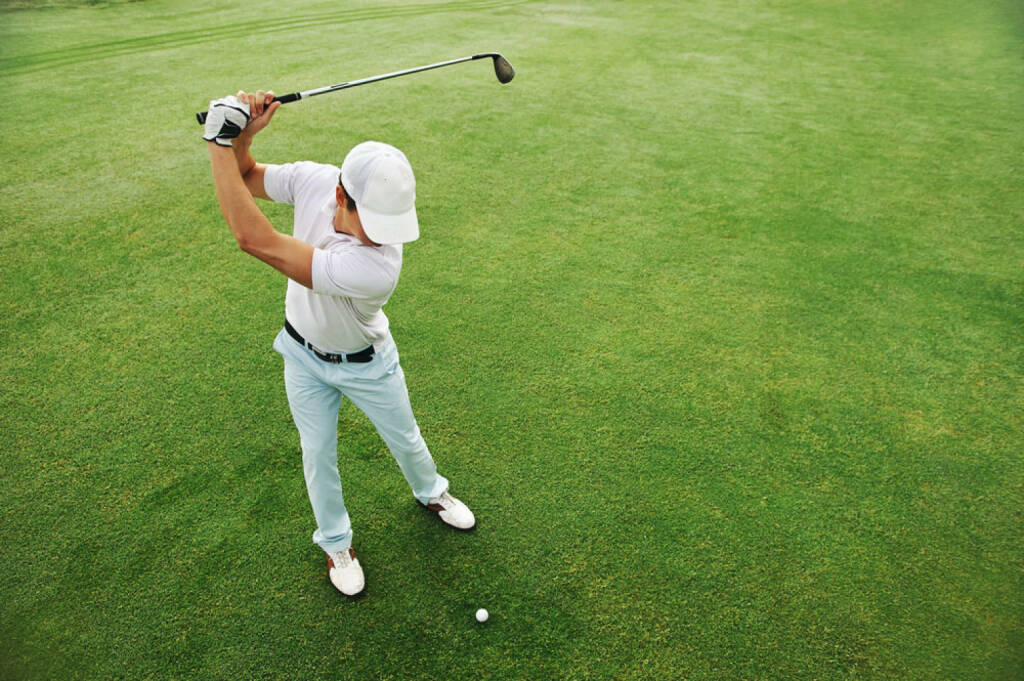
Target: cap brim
{"type": "Point", "coordinates": [390, 229]}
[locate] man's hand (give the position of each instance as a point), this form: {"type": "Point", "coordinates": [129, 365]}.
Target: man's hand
{"type": "Point", "coordinates": [225, 120]}
{"type": "Point", "coordinates": [261, 107]}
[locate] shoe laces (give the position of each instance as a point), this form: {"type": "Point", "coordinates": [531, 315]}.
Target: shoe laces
{"type": "Point", "coordinates": [446, 500]}
{"type": "Point", "coordinates": [342, 559]}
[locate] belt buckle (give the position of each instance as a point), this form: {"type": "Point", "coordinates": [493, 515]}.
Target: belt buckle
{"type": "Point", "coordinates": [331, 357]}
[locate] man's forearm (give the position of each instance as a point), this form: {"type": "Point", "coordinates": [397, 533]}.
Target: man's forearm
{"type": "Point", "coordinates": [240, 211]}
{"type": "Point", "coordinates": [244, 159]}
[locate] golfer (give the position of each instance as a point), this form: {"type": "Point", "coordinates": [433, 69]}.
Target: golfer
{"type": "Point", "coordinates": [342, 265]}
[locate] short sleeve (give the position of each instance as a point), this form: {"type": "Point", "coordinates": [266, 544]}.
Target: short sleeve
{"type": "Point", "coordinates": [347, 274]}
{"type": "Point", "coordinates": [286, 183]}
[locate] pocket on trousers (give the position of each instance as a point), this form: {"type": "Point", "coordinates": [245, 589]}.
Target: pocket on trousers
{"type": "Point", "coordinates": [286, 346]}
{"type": "Point", "coordinates": [277, 342]}
{"type": "Point", "coordinates": [383, 365]}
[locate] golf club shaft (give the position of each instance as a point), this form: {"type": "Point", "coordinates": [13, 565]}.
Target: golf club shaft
{"type": "Point", "coordinates": [295, 96]}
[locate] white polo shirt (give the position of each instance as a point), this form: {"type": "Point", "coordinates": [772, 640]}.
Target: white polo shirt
{"type": "Point", "coordinates": [351, 281]}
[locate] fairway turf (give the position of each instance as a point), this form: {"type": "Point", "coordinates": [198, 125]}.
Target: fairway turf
{"type": "Point", "coordinates": [715, 323]}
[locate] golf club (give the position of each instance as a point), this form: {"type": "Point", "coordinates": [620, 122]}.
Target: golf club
{"type": "Point", "coordinates": [502, 69]}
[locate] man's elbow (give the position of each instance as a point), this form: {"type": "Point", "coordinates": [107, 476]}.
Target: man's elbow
{"type": "Point", "coordinates": [251, 239]}
{"type": "Point", "coordinates": [249, 245]}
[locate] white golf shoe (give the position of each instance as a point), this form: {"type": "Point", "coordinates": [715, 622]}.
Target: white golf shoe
{"type": "Point", "coordinates": [453, 512]}
{"type": "Point", "coordinates": [345, 572]}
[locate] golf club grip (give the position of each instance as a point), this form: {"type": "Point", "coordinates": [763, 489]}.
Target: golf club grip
{"type": "Point", "coordinates": [284, 99]}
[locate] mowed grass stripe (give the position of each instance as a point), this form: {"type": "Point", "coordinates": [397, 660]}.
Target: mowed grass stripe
{"type": "Point", "coordinates": [84, 53]}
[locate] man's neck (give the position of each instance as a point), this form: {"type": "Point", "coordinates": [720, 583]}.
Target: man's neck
{"type": "Point", "coordinates": [341, 226]}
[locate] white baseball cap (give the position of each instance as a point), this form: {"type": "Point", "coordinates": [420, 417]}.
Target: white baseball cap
{"type": "Point", "coordinates": [379, 179]}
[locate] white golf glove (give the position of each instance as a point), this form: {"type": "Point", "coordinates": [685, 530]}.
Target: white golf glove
{"type": "Point", "coordinates": [225, 120]}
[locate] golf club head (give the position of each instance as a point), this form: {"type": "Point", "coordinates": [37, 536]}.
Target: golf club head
{"type": "Point", "coordinates": [503, 69]}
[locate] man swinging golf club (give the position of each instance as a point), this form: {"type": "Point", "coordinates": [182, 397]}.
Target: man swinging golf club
{"type": "Point", "coordinates": [342, 265]}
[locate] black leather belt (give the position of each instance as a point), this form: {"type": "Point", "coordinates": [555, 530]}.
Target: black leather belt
{"type": "Point", "coordinates": [361, 356]}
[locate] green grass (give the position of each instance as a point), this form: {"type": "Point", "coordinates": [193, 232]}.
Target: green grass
{"type": "Point", "coordinates": [716, 323]}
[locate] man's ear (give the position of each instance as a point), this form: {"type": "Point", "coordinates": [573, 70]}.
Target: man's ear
{"type": "Point", "coordinates": [339, 192]}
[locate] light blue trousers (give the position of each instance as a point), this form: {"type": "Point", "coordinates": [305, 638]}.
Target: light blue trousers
{"type": "Point", "coordinates": [315, 390]}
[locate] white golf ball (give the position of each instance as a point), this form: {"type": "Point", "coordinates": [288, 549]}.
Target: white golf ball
{"type": "Point", "coordinates": [481, 615]}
